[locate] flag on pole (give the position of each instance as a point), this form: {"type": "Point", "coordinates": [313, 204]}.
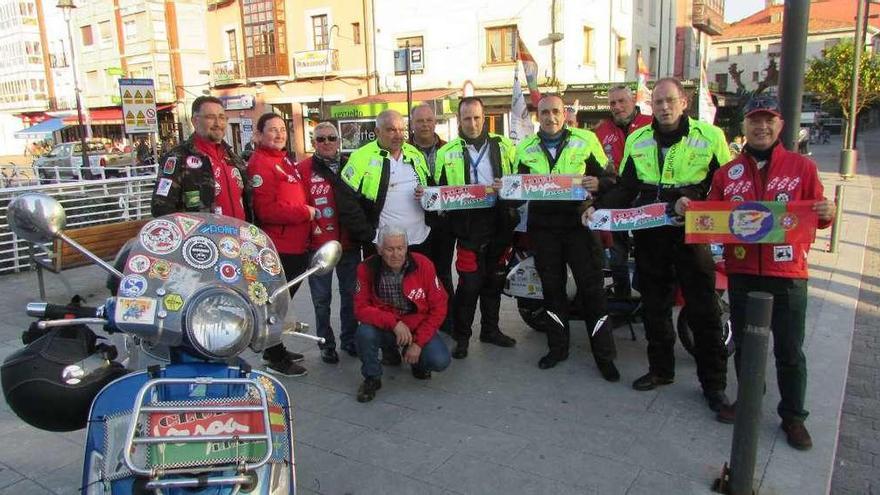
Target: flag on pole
{"type": "Point", "coordinates": [530, 67]}
{"type": "Point", "coordinates": [707, 108]}
{"type": "Point", "coordinates": [643, 94]}
{"type": "Point", "coordinates": [520, 123]}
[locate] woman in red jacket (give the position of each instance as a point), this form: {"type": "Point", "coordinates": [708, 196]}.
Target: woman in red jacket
{"type": "Point", "coordinates": [279, 199]}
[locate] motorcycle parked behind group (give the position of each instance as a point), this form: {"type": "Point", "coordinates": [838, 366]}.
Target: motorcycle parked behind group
{"type": "Point", "coordinates": [194, 292]}
{"type": "Point", "coordinates": [524, 284]}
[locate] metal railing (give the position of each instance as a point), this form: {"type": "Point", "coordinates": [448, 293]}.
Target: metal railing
{"type": "Point", "coordinates": [86, 202]}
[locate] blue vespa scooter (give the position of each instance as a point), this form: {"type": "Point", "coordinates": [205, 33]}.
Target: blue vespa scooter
{"type": "Point", "coordinates": [202, 288]}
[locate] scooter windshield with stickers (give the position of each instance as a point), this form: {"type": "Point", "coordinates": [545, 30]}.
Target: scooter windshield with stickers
{"type": "Point", "coordinates": [202, 287]}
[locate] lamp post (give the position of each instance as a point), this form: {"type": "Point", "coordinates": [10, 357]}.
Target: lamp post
{"type": "Point", "coordinates": [67, 7]}
{"type": "Point", "coordinates": [849, 155]}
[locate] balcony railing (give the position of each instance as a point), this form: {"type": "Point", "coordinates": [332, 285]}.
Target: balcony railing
{"type": "Point", "coordinates": [227, 72]}
{"type": "Point", "coordinates": [708, 16]}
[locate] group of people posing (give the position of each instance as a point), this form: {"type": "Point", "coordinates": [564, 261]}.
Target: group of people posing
{"type": "Point", "coordinates": [395, 301]}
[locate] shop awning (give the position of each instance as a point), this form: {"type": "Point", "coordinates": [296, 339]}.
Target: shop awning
{"type": "Point", "coordinates": [371, 106]}
{"type": "Point", "coordinates": [107, 115]}
{"type": "Point", "coordinates": [41, 130]}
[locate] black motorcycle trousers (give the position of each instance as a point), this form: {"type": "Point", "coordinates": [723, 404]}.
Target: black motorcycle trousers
{"type": "Point", "coordinates": [581, 250]}
{"type": "Point", "coordinates": [664, 260]}
{"type": "Point", "coordinates": [480, 277]}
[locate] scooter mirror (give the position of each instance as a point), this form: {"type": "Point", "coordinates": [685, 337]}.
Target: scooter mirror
{"type": "Point", "coordinates": [326, 257]}
{"type": "Point", "coordinates": [36, 217]}
{"type": "Point", "coordinates": [323, 262]}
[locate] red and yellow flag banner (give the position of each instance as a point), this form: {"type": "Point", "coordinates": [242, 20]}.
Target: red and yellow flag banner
{"type": "Point", "coordinates": [753, 222]}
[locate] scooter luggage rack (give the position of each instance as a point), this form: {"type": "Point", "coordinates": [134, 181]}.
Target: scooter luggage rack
{"type": "Point", "coordinates": [200, 479]}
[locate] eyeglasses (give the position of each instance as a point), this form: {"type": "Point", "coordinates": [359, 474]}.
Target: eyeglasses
{"type": "Point", "coordinates": [322, 139]}
{"type": "Point", "coordinates": [214, 118]}
{"type": "Point", "coordinates": [666, 101]}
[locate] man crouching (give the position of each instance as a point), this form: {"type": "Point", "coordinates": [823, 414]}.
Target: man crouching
{"type": "Point", "coordinates": [399, 303]}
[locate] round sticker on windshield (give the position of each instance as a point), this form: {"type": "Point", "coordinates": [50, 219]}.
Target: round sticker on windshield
{"type": "Point", "coordinates": [138, 263]}
{"type": "Point", "coordinates": [258, 293]}
{"type": "Point", "coordinates": [229, 247]}
{"type": "Point", "coordinates": [132, 286]}
{"type": "Point", "coordinates": [228, 272]}
{"type": "Point", "coordinates": [161, 236]}
{"type": "Point", "coordinates": [269, 262]}
{"type": "Point", "coordinates": [200, 252]}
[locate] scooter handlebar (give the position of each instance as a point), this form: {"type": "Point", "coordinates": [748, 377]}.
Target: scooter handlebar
{"type": "Point", "coordinates": [59, 312]}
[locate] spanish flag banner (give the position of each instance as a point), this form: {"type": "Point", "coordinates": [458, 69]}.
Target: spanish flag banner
{"type": "Point", "coordinates": [755, 222]}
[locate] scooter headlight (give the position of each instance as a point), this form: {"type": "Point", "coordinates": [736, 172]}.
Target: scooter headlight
{"type": "Point", "coordinates": [219, 322]}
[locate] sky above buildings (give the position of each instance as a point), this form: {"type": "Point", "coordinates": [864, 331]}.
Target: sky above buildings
{"type": "Point", "coordinates": [737, 9]}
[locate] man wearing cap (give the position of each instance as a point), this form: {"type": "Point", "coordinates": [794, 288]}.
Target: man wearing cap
{"type": "Point", "coordinates": [626, 117]}
{"type": "Point", "coordinates": [766, 171]}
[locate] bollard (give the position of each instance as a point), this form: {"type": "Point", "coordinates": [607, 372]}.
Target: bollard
{"type": "Point", "coordinates": [838, 214]}
{"type": "Point", "coordinates": [753, 365]}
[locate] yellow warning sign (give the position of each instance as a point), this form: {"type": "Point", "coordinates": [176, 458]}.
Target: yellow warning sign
{"type": "Point", "coordinates": [138, 105]}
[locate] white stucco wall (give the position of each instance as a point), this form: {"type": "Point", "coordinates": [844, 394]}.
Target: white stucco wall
{"type": "Point", "coordinates": [454, 33]}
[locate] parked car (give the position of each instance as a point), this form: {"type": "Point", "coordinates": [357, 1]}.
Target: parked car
{"type": "Point", "coordinates": [64, 162]}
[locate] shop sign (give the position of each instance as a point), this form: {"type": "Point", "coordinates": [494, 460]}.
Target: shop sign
{"type": "Point", "coordinates": [315, 62]}
{"type": "Point", "coordinates": [356, 133]}
{"type": "Point", "coordinates": [238, 102]}
{"type": "Point", "coordinates": [367, 109]}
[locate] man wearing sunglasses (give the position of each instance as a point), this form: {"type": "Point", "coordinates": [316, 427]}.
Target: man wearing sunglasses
{"type": "Point", "coordinates": [337, 218]}
{"type": "Point", "coordinates": [766, 171]}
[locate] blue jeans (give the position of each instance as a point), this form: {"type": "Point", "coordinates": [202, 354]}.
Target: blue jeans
{"type": "Point", "coordinates": [322, 295]}
{"type": "Point", "coordinates": [435, 354]}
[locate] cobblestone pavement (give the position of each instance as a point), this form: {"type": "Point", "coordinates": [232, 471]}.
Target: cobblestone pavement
{"type": "Point", "coordinates": [857, 464]}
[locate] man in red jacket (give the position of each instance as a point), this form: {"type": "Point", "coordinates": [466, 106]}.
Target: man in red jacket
{"type": "Point", "coordinates": [399, 301]}
{"type": "Point", "coordinates": [612, 132]}
{"type": "Point", "coordinates": [766, 171]}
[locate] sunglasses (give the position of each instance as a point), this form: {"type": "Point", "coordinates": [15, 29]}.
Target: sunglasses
{"type": "Point", "coordinates": [762, 104]}
{"type": "Point", "coordinates": [322, 139]}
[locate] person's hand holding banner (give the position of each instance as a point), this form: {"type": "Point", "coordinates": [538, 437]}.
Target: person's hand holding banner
{"type": "Point", "coordinates": [643, 217]}
{"type": "Point", "coordinates": [445, 198]}
{"type": "Point", "coordinates": [539, 187]}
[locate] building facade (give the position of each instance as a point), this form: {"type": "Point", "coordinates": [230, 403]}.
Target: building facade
{"type": "Point", "coordinates": [654, 37]}
{"type": "Point", "coordinates": [296, 59]}
{"type": "Point", "coordinates": [743, 53]}
{"type": "Point", "coordinates": [698, 21]}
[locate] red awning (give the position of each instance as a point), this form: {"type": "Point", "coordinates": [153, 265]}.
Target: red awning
{"type": "Point", "coordinates": [108, 115]}
{"type": "Point", "coordinates": [112, 115]}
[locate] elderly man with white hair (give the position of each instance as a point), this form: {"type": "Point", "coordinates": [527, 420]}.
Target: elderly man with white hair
{"type": "Point", "coordinates": [387, 174]}
{"type": "Point", "coordinates": [400, 303]}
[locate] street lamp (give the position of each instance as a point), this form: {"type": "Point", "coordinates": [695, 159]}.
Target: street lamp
{"type": "Point", "coordinates": [67, 7]}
